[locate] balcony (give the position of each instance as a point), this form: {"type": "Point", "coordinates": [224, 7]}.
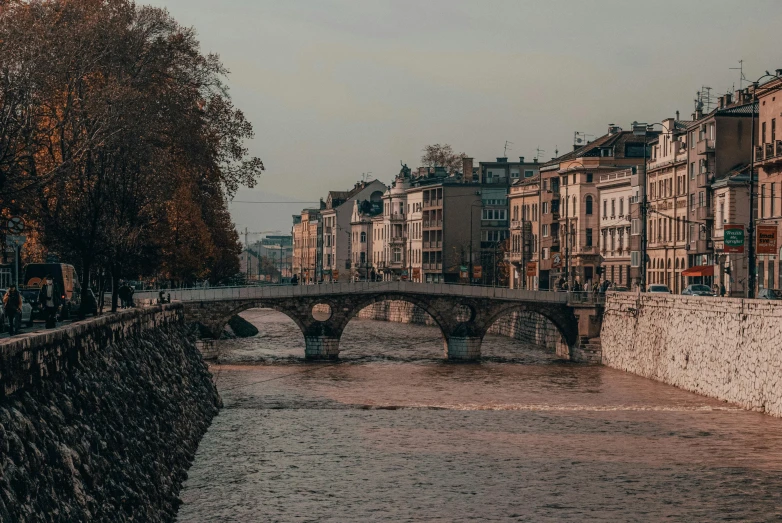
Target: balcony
{"type": "Point", "coordinates": [589, 249]}
{"type": "Point", "coordinates": [397, 239]}
{"type": "Point", "coordinates": [397, 217]}
{"type": "Point", "coordinates": [433, 203]}
{"type": "Point", "coordinates": [513, 256]}
{"type": "Point", "coordinates": [704, 146]}
{"type": "Point", "coordinates": [704, 213]}
{"type": "Point", "coordinates": [432, 223]}
{"type": "Point", "coordinates": [515, 224]}
{"type": "Point", "coordinates": [700, 246]}
{"type": "Point", "coordinates": [759, 153]}
{"type": "Point", "coordinates": [770, 153]}
{"type": "Point", "coordinates": [703, 180]}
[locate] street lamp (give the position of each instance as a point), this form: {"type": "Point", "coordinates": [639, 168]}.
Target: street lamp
{"type": "Point", "coordinates": [751, 229]}
{"type": "Point", "coordinates": [642, 129]}
{"type": "Point", "coordinates": [474, 204]}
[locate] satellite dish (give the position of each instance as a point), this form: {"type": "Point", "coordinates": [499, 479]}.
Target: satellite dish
{"type": "Point", "coordinates": [579, 140]}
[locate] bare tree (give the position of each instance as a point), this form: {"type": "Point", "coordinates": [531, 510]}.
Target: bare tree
{"type": "Point", "coordinates": [442, 156]}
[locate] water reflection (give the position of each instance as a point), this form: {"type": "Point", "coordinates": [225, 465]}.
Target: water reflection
{"type": "Point", "coordinates": [394, 433]}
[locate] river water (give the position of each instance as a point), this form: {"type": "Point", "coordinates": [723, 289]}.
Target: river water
{"type": "Point", "coordinates": [394, 433]}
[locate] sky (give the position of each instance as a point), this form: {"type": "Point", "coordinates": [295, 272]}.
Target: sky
{"type": "Point", "coordinates": [338, 90]}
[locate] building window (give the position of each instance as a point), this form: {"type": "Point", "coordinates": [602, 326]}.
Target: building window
{"type": "Point", "coordinates": [692, 171]}
{"type": "Point", "coordinates": [635, 259]}
{"type": "Point", "coordinates": [544, 230]}
{"type": "Point", "coordinates": [588, 237]}
{"type": "Point", "coordinates": [397, 255]}
{"type": "Point", "coordinates": [544, 206]}
{"type": "Point", "coordinates": [773, 130]}
{"type": "Point", "coordinates": [635, 227]}
{"type": "Point", "coordinates": [692, 202]}
{"type": "Point", "coordinates": [589, 205]}
{"type": "Point", "coordinates": [605, 209]}
{"type": "Point", "coordinates": [589, 177]}
{"type": "Point", "coordinates": [763, 132]}
{"type": "Point", "coordinates": [529, 174]}
{"type": "Point", "coordinates": [363, 237]}
{"type": "Point", "coordinates": [621, 207]}
{"type": "Point", "coordinates": [613, 208]}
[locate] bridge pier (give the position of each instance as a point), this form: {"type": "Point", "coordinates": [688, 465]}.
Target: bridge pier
{"type": "Point", "coordinates": [463, 348]}
{"type": "Point", "coordinates": [321, 347]}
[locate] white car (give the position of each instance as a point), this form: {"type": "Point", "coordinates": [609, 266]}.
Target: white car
{"type": "Point", "coordinates": [26, 317]}
{"type": "Point", "coordinates": [659, 289]}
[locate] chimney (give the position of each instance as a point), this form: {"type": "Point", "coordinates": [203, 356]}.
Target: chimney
{"type": "Point", "coordinates": [502, 160]}
{"type": "Point", "coordinates": [611, 128]}
{"type": "Point", "coordinates": [728, 99]}
{"type": "Point", "coordinates": [722, 102]}
{"type": "Point", "coordinates": [778, 72]}
{"type": "Point", "coordinates": [677, 115]}
{"type": "Point", "coordinates": [521, 159]}
{"type": "Point", "coordinates": [467, 169]}
{"type": "Point", "coordinates": [534, 160]}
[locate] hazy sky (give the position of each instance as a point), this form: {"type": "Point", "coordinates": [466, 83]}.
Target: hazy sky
{"type": "Point", "coordinates": [338, 88]}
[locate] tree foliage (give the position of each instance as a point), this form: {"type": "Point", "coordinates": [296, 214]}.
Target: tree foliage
{"type": "Point", "coordinates": [118, 140]}
{"type": "Point", "coordinates": [442, 156]}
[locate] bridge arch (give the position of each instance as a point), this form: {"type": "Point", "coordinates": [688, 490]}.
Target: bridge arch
{"type": "Point", "coordinates": [565, 322]}
{"type": "Point", "coordinates": [424, 305]}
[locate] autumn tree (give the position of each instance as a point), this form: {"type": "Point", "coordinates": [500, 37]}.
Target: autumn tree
{"type": "Point", "coordinates": [442, 156]}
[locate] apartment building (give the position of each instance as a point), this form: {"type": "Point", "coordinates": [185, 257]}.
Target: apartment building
{"type": "Point", "coordinates": [550, 265]}
{"type": "Point", "coordinates": [615, 192]}
{"type": "Point", "coordinates": [525, 229]}
{"type": "Point", "coordinates": [336, 217]}
{"type": "Point", "coordinates": [718, 147]}
{"type": "Point", "coordinates": [768, 166]}
{"type": "Point", "coordinates": [415, 213]}
{"type": "Point", "coordinates": [396, 263]}
{"type": "Point", "coordinates": [667, 194]}
{"type": "Point", "coordinates": [307, 248]}
{"type": "Point", "coordinates": [495, 179]}
{"type": "Point", "coordinates": [362, 239]}
{"type": "Point", "coordinates": [579, 221]}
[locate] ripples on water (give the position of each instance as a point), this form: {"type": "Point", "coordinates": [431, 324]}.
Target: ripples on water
{"type": "Point", "coordinates": [393, 433]}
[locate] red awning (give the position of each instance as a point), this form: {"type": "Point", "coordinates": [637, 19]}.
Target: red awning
{"type": "Point", "coordinates": [699, 270]}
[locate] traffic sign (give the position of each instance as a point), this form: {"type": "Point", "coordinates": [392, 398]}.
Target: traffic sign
{"type": "Point", "coordinates": [15, 225]}
{"type": "Point", "coordinates": [15, 241]}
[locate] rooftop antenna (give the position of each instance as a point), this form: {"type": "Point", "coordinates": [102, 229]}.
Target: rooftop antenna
{"type": "Point", "coordinates": [556, 151]}
{"type": "Point", "coordinates": [539, 152]}
{"type": "Point", "coordinates": [580, 138]}
{"type": "Point", "coordinates": [742, 78]}
{"type": "Point", "coordinates": [505, 150]}
{"type": "Point", "coordinates": [706, 98]}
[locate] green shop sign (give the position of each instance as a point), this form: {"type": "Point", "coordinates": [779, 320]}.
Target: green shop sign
{"type": "Point", "coordinates": [734, 238]}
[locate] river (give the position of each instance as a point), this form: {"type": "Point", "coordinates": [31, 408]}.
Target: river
{"type": "Point", "coordinates": [394, 433]}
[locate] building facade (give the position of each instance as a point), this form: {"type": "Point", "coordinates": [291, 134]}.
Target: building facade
{"type": "Point", "coordinates": [523, 256]}
{"type": "Point", "coordinates": [307, 249]}
{"type": "Point", "coordinates": [768, 166]}
{"type": "Point", "coordinates": [615, 193]}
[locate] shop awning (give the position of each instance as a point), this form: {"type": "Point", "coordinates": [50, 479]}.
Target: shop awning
{"type": "Point", "coordinates": [699, 270]}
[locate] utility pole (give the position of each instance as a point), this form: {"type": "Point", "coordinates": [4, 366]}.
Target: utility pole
{"type": "Point", "coordinates": [246, 255]}
{"type": "Point", "coordinates": [567, 238]}
{"type": "Point", "coordinates": [641, 129]}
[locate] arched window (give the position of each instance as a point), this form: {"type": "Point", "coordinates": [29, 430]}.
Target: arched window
{"type": "Point", "coordinates": [589, 205]}
{"type": "Point", "coordinates": [363, 237]}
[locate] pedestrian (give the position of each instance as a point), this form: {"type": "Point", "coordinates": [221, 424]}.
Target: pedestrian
{"type": "Point", "coordinates": [722, 290]}
{"type": "Point", "coordinates": [162, 297]}
{"type": "Point", "coordinates": [48, 297]}
{"type": "Point", "coordinates": [294, 280]}
{"type": "Point", "coordinates": [131, 292]}
{"type": "Point", "coordinates": [124, 295]}
{"type": "Point", "coordinates": [12, 304]}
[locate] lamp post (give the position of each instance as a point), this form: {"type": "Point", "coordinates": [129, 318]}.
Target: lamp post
{"type": "Point", "coordinates": [752, 258]}
{"type": "Point", "coordinates": [642, 129]}
{"type": "Point", "coordinates": [474, 204]}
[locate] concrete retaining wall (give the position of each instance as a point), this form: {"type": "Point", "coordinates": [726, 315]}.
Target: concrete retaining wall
{"type": "Point", "coordinates": [524, 326]}
{"type": "Point", "coordinates": [726, 348]}
{"type": "Point", "coordinates": [100, 420]}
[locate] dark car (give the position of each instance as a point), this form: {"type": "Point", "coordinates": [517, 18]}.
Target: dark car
{"type": "Point", "coordinates": [769, 294]}
{"type": "Point", "coordinates": [30, 295]}
{"type": "Point", "coordinates": [697, 289]}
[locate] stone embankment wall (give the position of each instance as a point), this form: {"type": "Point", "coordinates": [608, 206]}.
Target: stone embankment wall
{"type": "Point", "coordinates": [100, 420]}
{"type": "Point", "coordinates": [726, 348]}
{"type": "Point", "coordinates": [524, 326]}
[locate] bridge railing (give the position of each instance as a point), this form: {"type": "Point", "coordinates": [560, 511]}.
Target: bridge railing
{"type": "Point", "coordinates": [281, 291]}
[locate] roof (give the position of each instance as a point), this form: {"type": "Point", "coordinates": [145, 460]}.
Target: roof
{"type": "Point", "coordinates": [738, 110]}
{"type": "Point", "coordinates": [592, 149]}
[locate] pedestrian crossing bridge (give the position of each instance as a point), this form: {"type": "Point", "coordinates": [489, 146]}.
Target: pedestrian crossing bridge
{"type": "Point", "coordinates": [463, 313]}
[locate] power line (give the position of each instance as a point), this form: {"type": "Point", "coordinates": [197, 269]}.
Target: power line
{"type": "Point", "coordinates": [247, 201]}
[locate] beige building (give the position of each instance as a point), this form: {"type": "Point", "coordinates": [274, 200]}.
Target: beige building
{"type": "Point", "coordinates": [415, 206]}
{"type": "Point", "coordinates": [307, 265]}
{"type": "Point", "coordinates": [525, 231]}
{"type": "Point", "coordinates": [362, 239]}
{"type": "Point", "coordinates": [768, 166]}
{"type": "Point", "coordinates": [579, 219]}
{"type": "Point", "coordinates": [667, 193]}
{"type": "Point", "coordinates": [615, 193]}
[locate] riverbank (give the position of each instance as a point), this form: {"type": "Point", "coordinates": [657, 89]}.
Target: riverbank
{"type": "Point", "coordinates": [101, 419]}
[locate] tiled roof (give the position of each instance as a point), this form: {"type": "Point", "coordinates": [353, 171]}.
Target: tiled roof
{"type": "Point", "coordinates": [738, 110]}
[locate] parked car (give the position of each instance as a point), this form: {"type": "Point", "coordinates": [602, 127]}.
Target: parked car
{"type": "Point", "coordinates": [698, 289]}
{"type": "Point", "coordinates": [26, 317]}
{"type": "Point", "coordinates": [619, 288]}
{"type": "Point", "coordinates": [30, 295]}
{"type": "Point", "coordinates": [659, 289]}
{"type": "Point", "coordinates": [769, 294]}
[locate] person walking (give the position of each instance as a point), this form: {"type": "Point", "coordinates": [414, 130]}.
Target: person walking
{"type": "Point", "coordinates": [12, 304]}
{"type": "Point", "coordinates": [48, 297]}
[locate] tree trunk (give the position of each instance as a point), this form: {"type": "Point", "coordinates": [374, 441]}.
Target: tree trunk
{"type": "Point", "coordinates": [101, 290]}
{"type": "Point", "coordinates": [114, 289]}
{"type": "Point", "coordinates": [85, 286]}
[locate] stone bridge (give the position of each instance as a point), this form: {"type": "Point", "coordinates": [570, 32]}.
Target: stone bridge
{"type": "Point", "coordinates": [463, 313]}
